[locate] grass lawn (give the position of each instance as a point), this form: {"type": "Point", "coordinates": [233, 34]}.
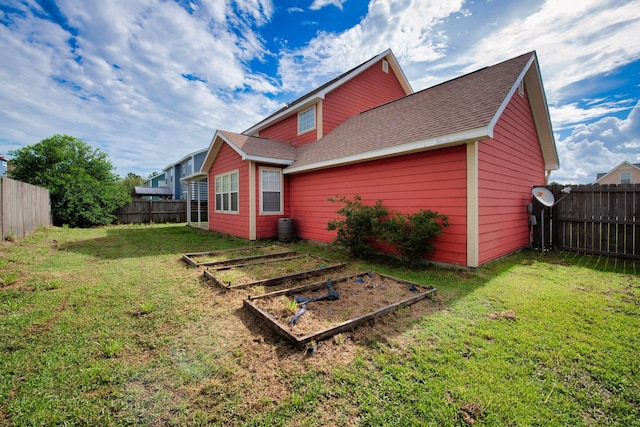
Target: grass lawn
{"type": "Point", "coordinates": [107, 326]}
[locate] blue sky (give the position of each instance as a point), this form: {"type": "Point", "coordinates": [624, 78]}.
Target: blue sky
{"type": "Point", "coordinates": [149, 81]}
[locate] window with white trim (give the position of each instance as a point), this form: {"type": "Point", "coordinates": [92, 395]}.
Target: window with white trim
{"type": "Point", "coordinates": [270, 191]}
{"type": "Point", "coordinates": [307, 120]}
{"type": "Point", "coordinates": [625, 178]}
{"type": "Point", "coordinates": [227, 192]}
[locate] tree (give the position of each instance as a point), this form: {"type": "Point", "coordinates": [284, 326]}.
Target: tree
{"type": "Point", "coordinates": [131, 181]}
{"type": "Point", "coordinates": [84, 189]}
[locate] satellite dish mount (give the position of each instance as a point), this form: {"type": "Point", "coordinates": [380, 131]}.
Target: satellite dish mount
{"type": "Point", "coordinates": [546, 198]}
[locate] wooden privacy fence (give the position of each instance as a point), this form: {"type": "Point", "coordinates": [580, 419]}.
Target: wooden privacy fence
{"type": "Point", "coordinates": [593, 219]}
{"type": "Point", "coordinates": [159, 211]}
{"type": "Point", "coordinates": [23, 208]}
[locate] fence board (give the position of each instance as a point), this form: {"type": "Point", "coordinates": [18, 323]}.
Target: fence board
{"type": "Point", "coordinates": [159, 211]}
{"type": "Point", "coordinates": [23, 208]}
{"type": "Point", "coordinates": [597, 219]}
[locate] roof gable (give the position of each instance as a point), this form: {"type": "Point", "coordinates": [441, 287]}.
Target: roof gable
{"type": "Point", "coordinates": [463, 109]}
{"type": "Point", "coordinates": [320, 93]}
{"type": "Point", "coordinates": [602, 176]}
{"type": "Point", "coordinates": [251, 148]}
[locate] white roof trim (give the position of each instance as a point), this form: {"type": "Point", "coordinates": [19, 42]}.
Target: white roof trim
{"type": "Point", "coordinates": [185, 158]}
{"type": "Point", "coordinates": [322, 94]}
{"type": "Point", "coordinates": [625, 163]}
{"type": "Point", "coordinates": [426, 144]}
{"type": "Point", "coordinates": [198, 176]}
{"type": "Point", "coordinates": [253, 158]}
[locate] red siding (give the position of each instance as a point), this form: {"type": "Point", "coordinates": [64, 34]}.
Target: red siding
{"type": "Point", "coordinates": [509, 166]}
{"type": "Point", "coordinates": [234, 224]}
{"type": "Point", "coordinates": [371, 88]}
{"type": "Point", "coordinates": [433, 180]}
{"type": "Point", "coordinates": [287, 130]}
{"type": "Point", "coordinates": [267, 225]}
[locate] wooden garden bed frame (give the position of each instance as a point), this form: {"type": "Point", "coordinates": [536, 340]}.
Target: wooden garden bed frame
{"type": "Point", "coordinates": [271, 281]}
{"type": "Point", "coordinates": [348, 325]}
{"type": "Point", "coordinates": [189, 258]}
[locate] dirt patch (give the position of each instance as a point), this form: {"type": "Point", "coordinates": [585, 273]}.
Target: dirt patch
{"type": "Point", "coordinates": [320, 311]}
{"type": "Point", "coordinates": [497, 315]}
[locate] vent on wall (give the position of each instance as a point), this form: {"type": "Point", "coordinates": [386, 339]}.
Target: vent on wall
{"type": "Point", "coordinates": [385, 66]}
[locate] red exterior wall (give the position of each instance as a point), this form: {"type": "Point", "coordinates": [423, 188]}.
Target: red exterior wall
{"type": "Point", "coordinates": [267, 225]}
{"type": "Point", "coordinates": [510, 164]}
{"type": "Point", "coordinates": [235, 224]}
{"type": "Point", "coordinates": [433, 180]}
{"type": "Point", "coordinates": [287, 130]}
{"type": "Point", "coordinates": [371, 88]}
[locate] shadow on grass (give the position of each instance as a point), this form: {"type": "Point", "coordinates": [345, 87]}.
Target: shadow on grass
{"type": "Point", "coordinates": [154, 240]}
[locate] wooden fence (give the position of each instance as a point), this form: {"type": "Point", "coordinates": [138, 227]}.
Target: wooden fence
{"type": "Point", "coordinates": [159, 211]}
{"type": "Point", "coordinates": [23, 208]}
{"type": "Point", "coordinates": [593, 219]}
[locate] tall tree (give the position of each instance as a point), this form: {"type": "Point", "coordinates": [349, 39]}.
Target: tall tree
{"type": "Point", "coordinates": [84, 189]}
{"type": "Point", "coordinates": [131, 181]}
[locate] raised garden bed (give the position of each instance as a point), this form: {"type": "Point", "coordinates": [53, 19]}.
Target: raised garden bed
{"type": "Point", "coordinates": [235, 256]}
{"type": "Point", "coordinates": [362, 297]}
{"type": "Point", "coordinates": [260, 272]}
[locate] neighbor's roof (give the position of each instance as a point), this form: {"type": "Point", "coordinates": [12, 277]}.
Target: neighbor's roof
{"type": "Point", "coordinates": [463, 109]}
{"type": "Point", "coordinates": [319, 93]}
{"type": "Point", "coordinates": [601, 176]}
{"type": "Point", "coordinates": [153, 191]}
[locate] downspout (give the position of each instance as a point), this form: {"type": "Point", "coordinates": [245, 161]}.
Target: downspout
{"type": "Point", "coordinates": [252, 200]}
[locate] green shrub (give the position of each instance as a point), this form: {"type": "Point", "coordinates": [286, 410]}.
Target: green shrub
{"type": "Point", "coordinates": [413, 234]}
{"type": "Point", "coordinates": [361, 225]}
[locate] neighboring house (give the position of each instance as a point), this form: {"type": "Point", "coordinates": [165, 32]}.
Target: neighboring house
{"type": "Point", "coordinates": [177, 174]}
{"type": "Point", "coordinates": [3, 165]}
{"type": "Point", "coordinates": [155, 182]}
{"type": "Point", "coordinates": [470, 148]}
{"type": "Point", "coordinates": [624, 173]}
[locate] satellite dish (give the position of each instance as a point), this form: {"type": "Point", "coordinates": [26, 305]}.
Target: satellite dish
{"type": "Point", "coordinates": [543, 195]}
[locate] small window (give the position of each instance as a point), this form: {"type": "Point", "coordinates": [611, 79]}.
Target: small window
{"type": "Point", "coordinates": [385, 66]}
{"type": "Point", "coordinates": [227, 192]}
{"type": "Point", "coordinates": [270, 191]}
{"type": "Point", "coordinates": [307, 120]}
{"type": "Point", "coordinates": [625, 178]}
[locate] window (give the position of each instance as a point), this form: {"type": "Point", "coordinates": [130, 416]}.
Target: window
{"type": "Point", "coordinates": [625, 178]}
{"type": "Point", "coordinates": [270, 191]}
{"type": "Point", "coordinates": [385, 66]}
{"type": "Point", "coordinates": [307, 120]}
{"type": "Point", "coordinates": [227, 192]}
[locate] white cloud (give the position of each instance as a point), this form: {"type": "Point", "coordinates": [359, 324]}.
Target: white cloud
{"type": "Point", "coordinates": [574, 40]}
{"type": "Point", "coordinates": [319, 4]}
{"type": "Point", "coordinates": [565, 115]}
{"type": "Point", "coordinates": [402, 25]}
{"type": "Point", "coordinates": [598, 147]}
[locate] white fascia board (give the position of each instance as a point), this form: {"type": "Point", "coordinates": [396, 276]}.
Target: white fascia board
{"type": "Point", "coordinates": [507, 99]}
{"type": "Point", "coordinates": [322, 94]}
{"type": "Point", "coordinates": [198, 176]}
{"type": "Point", "coordinates": [423, 145]}
{"type": "Point", "coordinates": [263, 159]}
{"type": "Point", "coordinates": [272, 160]}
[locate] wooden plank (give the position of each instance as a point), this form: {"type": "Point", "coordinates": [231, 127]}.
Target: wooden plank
{"type": "Point", "coordinates": [345, 326]}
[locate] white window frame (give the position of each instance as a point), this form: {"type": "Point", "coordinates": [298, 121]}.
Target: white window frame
{"type": "Point", "coordinates": [262, 191]}
{"type": "Point", "coordinates": [622, 177]}
{"type": "Point", "coordinates": [219, 190]}
{"type": "Point", "coordinates": [302, 115]}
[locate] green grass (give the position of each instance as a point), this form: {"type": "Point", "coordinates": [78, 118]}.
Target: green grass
{"type": "Point", "coordinates": [107, 326]}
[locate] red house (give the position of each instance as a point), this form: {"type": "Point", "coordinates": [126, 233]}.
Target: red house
{"type": "Point", "coordinates": [470, 148]}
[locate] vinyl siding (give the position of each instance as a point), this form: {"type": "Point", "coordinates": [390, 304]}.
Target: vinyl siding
{"type": "Point", "coordinates": [510, 164]}
{"type": "Point", "coordinates": [433, 180]}
{"type": "Point", "coordinates": [230, 223]}
{"type": "Point", "coordinates": [267, 224]}
{"type": "Point", "coordinates": [371, 88]}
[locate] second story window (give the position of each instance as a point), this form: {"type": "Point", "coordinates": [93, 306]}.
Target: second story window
{"type": "Point", "coordinates": [625, 178]}
{"type": "Point", "coordinates": [307, 120]}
